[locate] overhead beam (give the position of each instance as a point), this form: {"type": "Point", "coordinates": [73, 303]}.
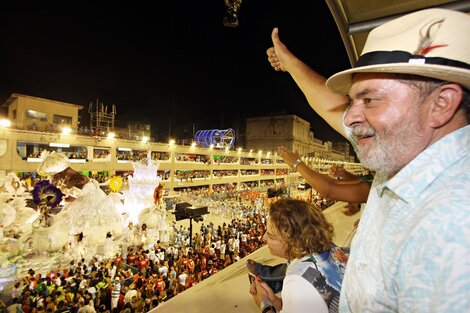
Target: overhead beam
{"type": "Point", "coordinates": [366, 26]}
{"type": "Point", "coordinates": [347, 30]}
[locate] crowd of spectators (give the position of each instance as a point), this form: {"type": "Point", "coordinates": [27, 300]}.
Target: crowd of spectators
{"type": "Point", "coordinates": [249, 172]}
{"type": "Point", "coordinates": [282, 171]}
{"type": "Point", "coordinates": [224, 173]}
{"type": "Point", "coordinates": [164, 175]}
{"type": "Point", "coordinates": [94, 132]}
{"type": "Point", "coordinates": [267, 172]}
{"type": "Point", "coordinates": [225, 159]}
{"type": "Point", "coordinates": [189, 175]}
{"type": "Point", "coordinates": [267, 161]}
{"type": "Point", "coordinates": [101, 154]}
{"type": "Point", "coordinates": [249, 185]}
{"type": "Point", "coordinates": [322, 202]}
{"type": "Point", "coordinates": [193, 191]}
{"type": "Point", "coordinates": [248, 161]}
{"type": "Point", "coordinates": [267, 183]}
{"type": "Point", "coordinates": [143, 277]}
{"type": "Point", "coordinates": [188, 157]}
{"type": "Point", "coordinates": [224, 188]}
{"type": "Point", "coordinates": [82, 154]}
{"type": "Point", "coordinates": [161, 156]}
{"type": "Point", "coordinates": [134, 155]}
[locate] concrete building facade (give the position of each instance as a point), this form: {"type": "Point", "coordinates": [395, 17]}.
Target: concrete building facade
{"type": "Point", "coordinates": [267, 133]}
{"type": "Point", "coordinates": [33, 113]}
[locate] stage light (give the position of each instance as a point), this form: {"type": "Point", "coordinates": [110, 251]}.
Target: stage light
{"type": "Point", "coordinates": [66, 130]}
{"type": "Point", "coordinates": [111, 135]}
{"type": "Point", "coordinates": [5, 123]}
{"type": "Point", "coordinates": [233, 8]}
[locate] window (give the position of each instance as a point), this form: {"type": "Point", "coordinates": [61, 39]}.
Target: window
{"type": "Point", "coordinates": [36, 115]}
{"type": "Point", "coordinates": [62, 119]}
{"type": "Point", "coordinates": [160, 155]}
{"type": "Point", "coordinates": [225, 159]}
{"type": "Point", "coordinates": [189, 157]}
{"type": "Point", "coordinates": [34, 149]}
{"type": "Point", "coordinates": [101, 154]}
{"type": "Point", "coordinates": [267, 161]}
{"type": "Point", "coordinates": [248, 161]}
{"type": "Point", "coordinates": [30, 149]}
{"type": "Point", "coordinates": [14, 114]}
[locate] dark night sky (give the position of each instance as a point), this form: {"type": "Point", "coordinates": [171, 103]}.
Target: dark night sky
{"type": "Point", "coordinates": [157, 60]}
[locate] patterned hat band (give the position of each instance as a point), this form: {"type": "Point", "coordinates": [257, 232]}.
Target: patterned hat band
{"type": "Point", "coordinates": [388, 57]}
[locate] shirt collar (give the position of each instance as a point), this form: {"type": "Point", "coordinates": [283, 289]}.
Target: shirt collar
{"type": "Point", "coordinates": [410, 181]}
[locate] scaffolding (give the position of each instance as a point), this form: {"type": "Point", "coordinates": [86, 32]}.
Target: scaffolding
{"type": "Point", "coordinates": [101, 121]}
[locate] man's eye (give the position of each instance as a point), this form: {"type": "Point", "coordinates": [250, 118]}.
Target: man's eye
{"type": "Point", "coordinates": [367, 100]}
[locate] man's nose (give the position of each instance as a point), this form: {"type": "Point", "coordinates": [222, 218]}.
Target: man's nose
{"type": "Point", "coordinates": [354, 115]}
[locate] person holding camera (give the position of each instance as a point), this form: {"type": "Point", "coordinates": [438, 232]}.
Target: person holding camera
{"type": "Point", "coordinates": [299, 232]}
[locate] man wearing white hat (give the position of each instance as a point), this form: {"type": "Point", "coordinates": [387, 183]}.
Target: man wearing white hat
{"type": "Point", "coordinates": [408, 120]}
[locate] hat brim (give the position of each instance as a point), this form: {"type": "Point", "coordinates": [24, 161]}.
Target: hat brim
{"type": "Point", "coordinates": [341, 82]}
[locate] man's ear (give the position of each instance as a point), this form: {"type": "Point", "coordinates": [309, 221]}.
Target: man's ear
{"type": "Point", "coordinates": [445, 104]}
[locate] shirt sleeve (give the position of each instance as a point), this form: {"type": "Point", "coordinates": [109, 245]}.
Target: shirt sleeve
{"type": "Point", "coordinates": [299, 296]}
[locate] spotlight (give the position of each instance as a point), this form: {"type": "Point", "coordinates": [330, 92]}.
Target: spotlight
{"type": "Point", "coordinates": [5, 123]}
{"type": "Point", "coordinates": [233, 7]}
{"type": "Point", "coordinates": [66, 130]}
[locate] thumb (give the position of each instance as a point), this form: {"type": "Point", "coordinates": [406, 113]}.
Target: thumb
{"type": "Point", "coordinates": [275, 36]}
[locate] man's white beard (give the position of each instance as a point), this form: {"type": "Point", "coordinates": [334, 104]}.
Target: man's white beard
{"type": "Point", "coordinates": [390, 150]}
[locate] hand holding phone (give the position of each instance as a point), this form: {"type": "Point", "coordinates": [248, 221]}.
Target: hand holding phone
{"type": "Point", "coordinates": [251, 277]}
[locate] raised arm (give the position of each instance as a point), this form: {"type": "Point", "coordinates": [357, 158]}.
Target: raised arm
{"type": "Point", "coordinates": [330, 106]}
{"type": "Point", "coordinates": [326, 185]}
{"type": "Point", "coordinates": [346, 177]}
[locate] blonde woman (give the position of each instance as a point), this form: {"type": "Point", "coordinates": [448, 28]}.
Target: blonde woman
{"type": "Point", "coordinates": [298, 232]}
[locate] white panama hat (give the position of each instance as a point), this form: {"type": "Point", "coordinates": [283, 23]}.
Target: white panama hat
{"type": "Point", "coordinates": [431, 43]}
